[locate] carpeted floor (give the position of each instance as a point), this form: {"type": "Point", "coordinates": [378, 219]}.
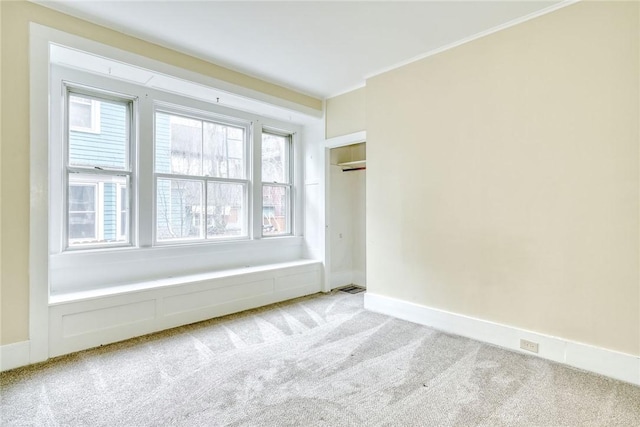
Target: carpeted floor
{"type": "Point", "coordinates": [315, 361]}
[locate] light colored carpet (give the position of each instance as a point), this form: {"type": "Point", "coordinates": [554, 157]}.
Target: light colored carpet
{"type": "Point", "coordinates": [316, 361]}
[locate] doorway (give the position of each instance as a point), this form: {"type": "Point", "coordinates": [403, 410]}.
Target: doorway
{"type": "Point", "coordinates": [346, 212]}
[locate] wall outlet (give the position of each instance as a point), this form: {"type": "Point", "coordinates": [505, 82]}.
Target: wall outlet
{"type": "Point", "coordinates": [529, 346]}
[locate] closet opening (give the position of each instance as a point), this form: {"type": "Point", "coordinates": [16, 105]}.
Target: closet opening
{"type": "Point", "coordinates": [347, 225]}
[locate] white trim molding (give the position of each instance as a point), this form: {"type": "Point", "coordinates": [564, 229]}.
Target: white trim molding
{"type": "Point", "coordinates": [360, 85]}
{"type": "Point", "coordinates": [14, 355]}
{"type": "Point", "coordinates": [613, 364]}
{"type": "Point", "coordinates": [481, 34]}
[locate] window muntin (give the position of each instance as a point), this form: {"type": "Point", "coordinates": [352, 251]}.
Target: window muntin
{"type": "Point", "coordinates": [200, 175]}
{"type": "Point", "coordinates": [98, 169]}
{"type": "Point", "coordinates": [277, 206]}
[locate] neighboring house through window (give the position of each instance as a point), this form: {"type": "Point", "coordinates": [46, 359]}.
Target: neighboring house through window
{"type": "Point", "coordinates": [84, 114]}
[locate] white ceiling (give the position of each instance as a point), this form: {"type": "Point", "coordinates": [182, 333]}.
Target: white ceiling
{"type": "Point", "coordinates": [318, 48]}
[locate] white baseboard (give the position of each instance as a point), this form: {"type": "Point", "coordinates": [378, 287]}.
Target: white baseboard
{"type": "Point", "coordinates": [621, 366]}
{"type": "Point", "coordinates": [14, 355]}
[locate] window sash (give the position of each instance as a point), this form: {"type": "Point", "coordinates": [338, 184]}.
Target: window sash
{"type": "Point", "coordinates": [97, 173]}
{"type": "Point", "coordinates": [288, 176]}
{"type": "Point", "coordinates": [206, 181]}
{"type": "Point", "coordinates": [287, 166]}
{"type": "Point", "coordinates": [204, 118]}
{"type": "Point", "coordinates": [101, 238]}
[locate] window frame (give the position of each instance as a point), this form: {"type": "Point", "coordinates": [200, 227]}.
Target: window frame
{"type": "Point", "coordinates": [247, 181]}
{"type": "Point", "coordinates": [288, 186]}
{"type": "Point", "coordinates": [130, 102]}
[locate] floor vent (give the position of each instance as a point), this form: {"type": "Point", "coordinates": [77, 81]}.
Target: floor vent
{"type": "Point", "coordinates": [352, 289]}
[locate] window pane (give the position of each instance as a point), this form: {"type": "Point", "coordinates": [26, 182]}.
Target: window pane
{"type": "Point", "coordinates": [82, 225]}
{"type": "Point", "coordinates": [178, 145]}
{"type": "Point", "coordinates": [276, 210]}
{"type": "Point", "coordinates": [179, 209]}
{"type": "Point", "coordinates": [124, 211]}
{"type": "Point", "coordinates": [82, 212]}
{"type": "Point", "coordinates": [224, 153]}
{"type": "Point", "coordinates": [95, 214]}
{"type": "Point", "coordinates": [80, 113]}
{"type": "Point", "coordinates": [98, 133]}
{"type": "Point", "coordinates": [82, 197]}
{"type": "Point", "coordinates": [226, 210]}
{"type": "Point", "coordinates": [275, 158]}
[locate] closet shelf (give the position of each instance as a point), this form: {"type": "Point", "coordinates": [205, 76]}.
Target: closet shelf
{"type": "Point", "coordinates": [355, 163]}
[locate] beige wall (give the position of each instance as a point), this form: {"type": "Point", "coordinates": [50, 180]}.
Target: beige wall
{"type": "Point", "coordinates": [14, 229]}
{"type": "Point", "coordinates": [345, 113]}
{"type": "Point", "coordinates": [503, 177]}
